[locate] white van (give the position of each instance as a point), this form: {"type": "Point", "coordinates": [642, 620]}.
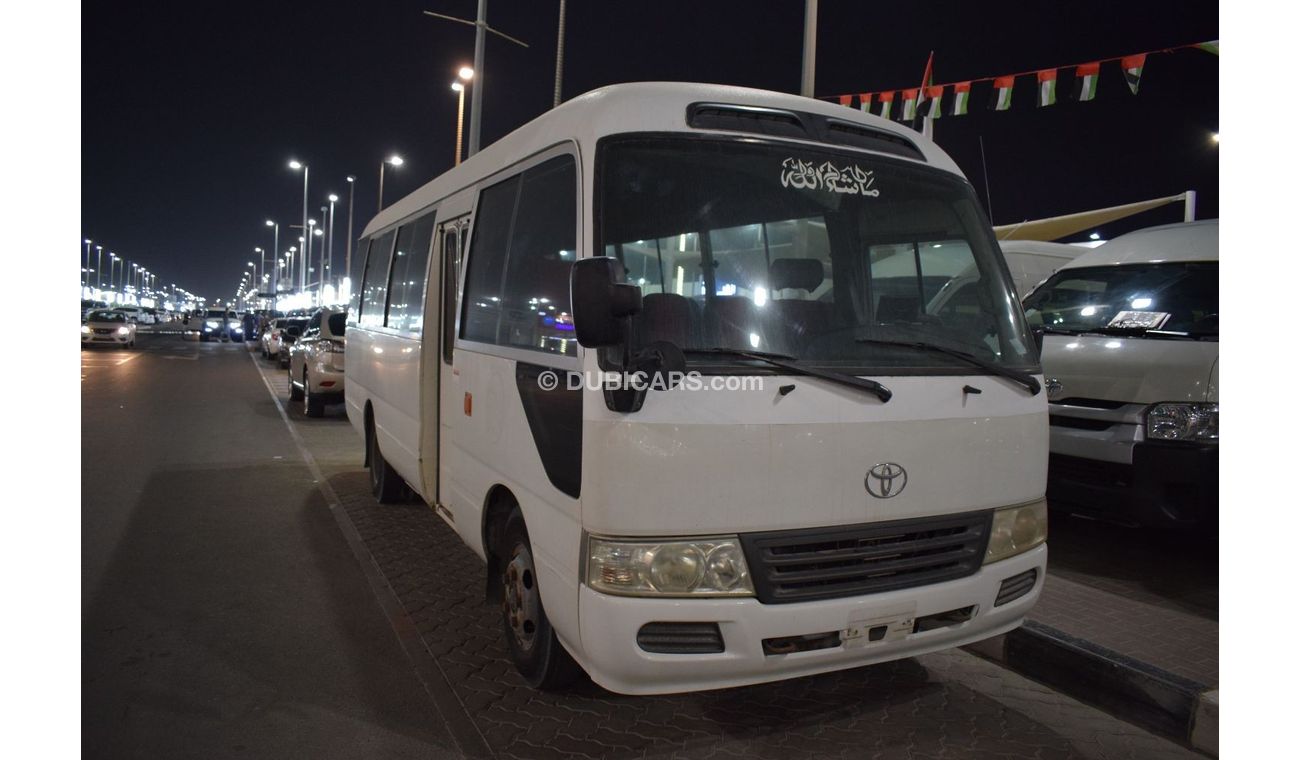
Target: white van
{"type": "Point", "coordinates": [827, 474]}
{"type": "Point", "coordinates": [1031, 262]}
{"type": "Point", "coordinates": [1130, 346]}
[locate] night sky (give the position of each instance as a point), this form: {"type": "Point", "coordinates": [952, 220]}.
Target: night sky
{"type": "Point", "coordinates": [191, 110]}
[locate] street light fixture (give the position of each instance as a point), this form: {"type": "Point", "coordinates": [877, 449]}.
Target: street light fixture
{"type": "Point", "coordinates": [99, 267]}
{"type": "Point", "coordinates": [275, 251]}
{"type": "Point", "coordinates": [347, 265]}
{"type": "Point", "coordinates": [395, 160]}
{"type": "Point", "coordinates": [329, 239]}
{"type": "Point", "coordinates": [85, 273]}
{"type": "Point", "coordinates": [296, 165]}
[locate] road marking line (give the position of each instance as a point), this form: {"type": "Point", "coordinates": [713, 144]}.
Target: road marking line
{"type": "Point", "coordinates": [446, 703]}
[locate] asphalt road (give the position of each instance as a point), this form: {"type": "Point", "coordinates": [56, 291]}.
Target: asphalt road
{"type": "Point", "coordinates": [230, 612]}
{"type": "Point", "coordinates": [224, 614]}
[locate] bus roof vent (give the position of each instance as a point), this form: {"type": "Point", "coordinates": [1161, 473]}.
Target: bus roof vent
{"type": "Point", "coordinates": [763, 121]}
{"type": "Point", "coordinates": [858, 136]}
{"type": "Point", "coordinates": [799, 125]}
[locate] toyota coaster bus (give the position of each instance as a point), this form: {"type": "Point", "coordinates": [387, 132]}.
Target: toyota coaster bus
{"type": "Point", "coordinates": [667, 359]}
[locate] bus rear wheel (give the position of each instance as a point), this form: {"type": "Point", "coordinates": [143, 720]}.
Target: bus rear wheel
{"type": "Point", "coordinates": [537, 653]}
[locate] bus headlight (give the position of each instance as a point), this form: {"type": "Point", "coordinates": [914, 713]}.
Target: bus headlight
{"type": "Point", "coordinates": [1183, 422]}
{"type": "Point", "coordinates": [1016, 530]}
{"type": "Point", "coordinates": [702, 567]}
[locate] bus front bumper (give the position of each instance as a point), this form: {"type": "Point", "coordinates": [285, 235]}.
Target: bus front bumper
{"type": "Point", "coordinates": [613, 658]}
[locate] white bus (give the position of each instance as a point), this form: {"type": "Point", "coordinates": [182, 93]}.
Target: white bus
{"type": "Point", "coordinates": [841, 476]}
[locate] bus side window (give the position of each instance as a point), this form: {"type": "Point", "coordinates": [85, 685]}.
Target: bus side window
{"type": "Point", "coordinates": [356, 280]}
{"type": "Point", "coordinates": [451, 241]}
{"type": "Point", "coordinates": [374, 293]}
{"type": "Point", "coordinates": [406, 284]}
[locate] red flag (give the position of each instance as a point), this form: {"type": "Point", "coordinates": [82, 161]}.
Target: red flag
{"type": "Point", "coordinates": [846, 100]}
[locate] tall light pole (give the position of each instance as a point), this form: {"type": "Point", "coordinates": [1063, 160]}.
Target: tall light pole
{"type": "Point", "coordinates": [320, 275]}
{"type": "Point", "coordinates": [352, 191]}
{"type": "Point", "coordinates": [476, 101]}
{"type": "Point", "coordinates": [329, 239]}
{"type": "Point", "coordinates": [460, 117]}
{"type": "Point", "coordinates": [396, 161]}
{"type": "Point", "coordinates": [112, 270]}
{"type": "Point", "coordinates": [809, 48]}
{"type": "Point", "coordinates": [85, 273]}
{"type": "Point", "coordinates": [99, 267]}
{"type": "Point", "coordinates": [275, 252]}
{"type": "Point", "coordinates": [296, 165]}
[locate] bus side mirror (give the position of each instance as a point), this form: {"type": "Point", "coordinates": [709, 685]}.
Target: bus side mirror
{"type": "Point", "coordinates": [602, 302]}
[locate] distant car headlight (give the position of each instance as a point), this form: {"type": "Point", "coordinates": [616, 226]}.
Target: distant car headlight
{"type": "Point", "coordinates": [123, 330]}
{"type": "Point", "coordinates": [701, 567]}
{"type": "Point", "coordinates": [1016, 530]}
{"type": "Point", "coordinates": [211, 325]}
{"type": "Point", "coordinates": [1183, 422]}
{"type": "Point", "coordinates": [85, 329]}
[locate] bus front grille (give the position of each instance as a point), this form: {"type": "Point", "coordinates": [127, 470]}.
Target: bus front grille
{"type": "Point", "coordinates": [853, 560]}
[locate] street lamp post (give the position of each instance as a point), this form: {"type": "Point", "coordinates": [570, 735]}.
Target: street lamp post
{"type": "Point", "coordinates": [275, 251]}
{"type": "Point", "coordinates": [395, 160]}
{"type": "Point", "coordinates": [99, 267]}
{"type": "Point", "coordinates": [329, 239]}
{"type": "Point", "coordinates": [347, 265]}
{"type": "Point", "coordinates": [295, 165]}
{"type": "Point", "coordinates": [112, 274]}
{"type": "Point", "coordinates": [85, 273]}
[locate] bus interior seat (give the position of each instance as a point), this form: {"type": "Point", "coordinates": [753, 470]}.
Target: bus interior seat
{"type": "Point", "coordinates": [801, 318]}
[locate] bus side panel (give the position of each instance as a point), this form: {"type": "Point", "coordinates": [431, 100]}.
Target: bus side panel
{"type": "Point", "coordinates": [487, 443]}
{"type": "Point", "coordinates": [395, 363]}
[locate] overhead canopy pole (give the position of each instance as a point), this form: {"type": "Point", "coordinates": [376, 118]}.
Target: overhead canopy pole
{"type": "Point", "coordinates": [1057, 227]}
{"type": "Point", "coordinates": [809, 48]}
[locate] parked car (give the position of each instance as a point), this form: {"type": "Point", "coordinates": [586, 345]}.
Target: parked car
{"type": "Point", "coordinates": [108, 327]}
{"type": "Point", "coordinates": [137, 315]}
{"type": "Point", "coordinates": [1130, 352]}
{"type": "Point", "coordinates": [291, 332]}
{"type": "Point", "coordinates": [88, 306]}
{"type": "Point", "coordinates": [271, 339]}
{"type": "Point", "coordinates": [1030, 262]}
{"type": "Point", "coordinates": [316, 362]}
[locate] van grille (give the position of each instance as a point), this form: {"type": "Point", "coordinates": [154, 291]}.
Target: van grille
{"type": "Point", "coordinates": [828, 563]}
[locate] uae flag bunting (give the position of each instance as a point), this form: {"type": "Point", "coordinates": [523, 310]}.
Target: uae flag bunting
{"type": "Point", "coordinates": [1002, 87]}
{"type": "Point", "coordinates": [1133, 70]}
{"type": "Point", "coordinates": [934, 99]}
{"type": "Point", "coordinates": [846, 100]}
{"type": "Point", "coordinates": [1210, 47]}
{"type": "Point", "coordinates": [909, 103]}
{"type": "Point", "coordinates": [1085, 81]}
{"type": "Point", "coordinates": [960, 98]}
{"type": "Point", "coordinates": [886, 103]}
{"type": "Point", "coordinates": [1046, 87]}
{"type": "Point", "coordinates": [864, 102]}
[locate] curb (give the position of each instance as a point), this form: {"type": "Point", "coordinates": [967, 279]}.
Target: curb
{"type": "Point", "coordinates": [1138, 692]}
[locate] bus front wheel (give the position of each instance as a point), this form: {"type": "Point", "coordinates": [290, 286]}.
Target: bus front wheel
{"type": "Point", "coordinates": [385, 483]}
{"type": "Point", "coordinates": [534, 647]}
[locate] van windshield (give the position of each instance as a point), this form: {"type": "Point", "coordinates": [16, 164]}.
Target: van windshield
{"type": "Point", "coordinates": [1169, 297]}
{"type": "Point", "coordinates": [822, 256]}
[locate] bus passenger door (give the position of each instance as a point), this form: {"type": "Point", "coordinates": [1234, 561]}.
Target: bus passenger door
{"type": "Point", "coordinates": [451, 236]}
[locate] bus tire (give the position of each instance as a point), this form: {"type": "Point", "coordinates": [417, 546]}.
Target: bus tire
{"type": "Point", "coordinates": [312, 404]}
{"type": "Point", "coordinates": [537, 652]}
{"type": "Point", "coordinates": [385, 483]}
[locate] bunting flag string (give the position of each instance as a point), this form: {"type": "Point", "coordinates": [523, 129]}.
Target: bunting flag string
{"type": "Point", "coordinates": [886, 103]}
{"type": "Point", "coordinates": [1046, 87]}
{"type": "Point", "coordinates": [960, 98]}
{"type": "Point", "coordinates": [1085, 81]}
{"type": "Point", "coordinates": [927, 100]}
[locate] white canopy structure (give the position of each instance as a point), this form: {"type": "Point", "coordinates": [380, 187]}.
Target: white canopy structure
{"type": "Point", "coordinates": [1057, 227]}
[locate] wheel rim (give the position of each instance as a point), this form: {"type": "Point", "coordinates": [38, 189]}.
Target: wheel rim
{"type": "Point", "coordinates": [521, 602]}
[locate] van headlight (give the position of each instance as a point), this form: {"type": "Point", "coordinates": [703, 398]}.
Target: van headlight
{"type": "Point", "coordinates": [1183, 422]}
{"type": "Point", "coordinates": [700, 567]}
{"type": "Point", "coordinates": [212, 324]}
{"type": "Point", "coordinates": [1016, 530]}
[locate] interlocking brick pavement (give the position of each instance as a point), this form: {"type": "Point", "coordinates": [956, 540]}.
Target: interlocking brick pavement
{"type": "Point", "coordinates": [948, 704]}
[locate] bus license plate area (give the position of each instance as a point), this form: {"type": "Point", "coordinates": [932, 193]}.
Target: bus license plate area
{"type": "Point", "coordinates": [874, 626]}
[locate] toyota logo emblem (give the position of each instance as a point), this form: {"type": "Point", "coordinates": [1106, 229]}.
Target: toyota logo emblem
{"type": "Point", "coordinates": [886, 480]}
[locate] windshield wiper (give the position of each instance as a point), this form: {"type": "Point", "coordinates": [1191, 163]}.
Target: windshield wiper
{"type": "Point", "coordinates": [1029, 381]}
{"type": "Point", "coordinates": [788, 362]}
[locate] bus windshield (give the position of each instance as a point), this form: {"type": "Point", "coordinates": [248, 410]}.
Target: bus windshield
{"type": "Point", "coordinates": [826, 257]}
